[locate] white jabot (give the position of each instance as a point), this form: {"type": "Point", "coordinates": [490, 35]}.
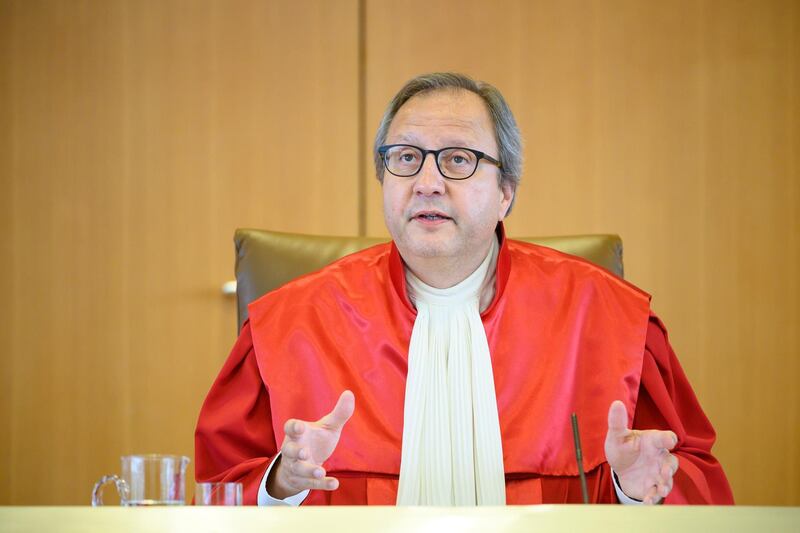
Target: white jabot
{"type": "Point", "coordinates": [452, 453]}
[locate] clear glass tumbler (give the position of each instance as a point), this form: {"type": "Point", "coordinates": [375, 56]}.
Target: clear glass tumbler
{"type": "Point", "coordinates": [218, 494]}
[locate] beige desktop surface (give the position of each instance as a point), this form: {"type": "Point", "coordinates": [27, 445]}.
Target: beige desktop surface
{"type": "Point", "coordinates": [540, 518]}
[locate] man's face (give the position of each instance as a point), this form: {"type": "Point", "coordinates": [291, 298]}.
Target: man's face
{"type": "Point", "coordinates": [428, 215]}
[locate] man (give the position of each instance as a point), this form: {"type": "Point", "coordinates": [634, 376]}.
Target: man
{"type": "Point", "coordinates": [464, 351]}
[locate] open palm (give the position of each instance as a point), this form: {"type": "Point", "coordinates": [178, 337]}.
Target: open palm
{"type": "Point", "coordinates": [640, 458]}
{"type": "Point", "coordinates": [305, 447]}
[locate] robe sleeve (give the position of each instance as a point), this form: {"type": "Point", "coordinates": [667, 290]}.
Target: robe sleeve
{"type": "Point", "coordinates": [667, 401]}
{"type": "Point", "coordinates": [234, 439]}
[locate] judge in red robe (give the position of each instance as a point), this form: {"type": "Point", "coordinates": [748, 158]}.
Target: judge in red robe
{"type": "Point", "coordinates": [348, 327]}
{"type": "Point", "coordinates": [563, 336]}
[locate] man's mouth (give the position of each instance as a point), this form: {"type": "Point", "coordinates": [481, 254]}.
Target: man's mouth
{"type": "Point", "coordinates": [431, 216]}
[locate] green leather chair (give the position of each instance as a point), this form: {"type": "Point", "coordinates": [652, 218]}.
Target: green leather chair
{"type": "Point", "coordinates": [265, 260]}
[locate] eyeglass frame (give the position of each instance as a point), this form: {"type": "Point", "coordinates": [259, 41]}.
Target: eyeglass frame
{"type": "Point", "coordinates": [478, 154]}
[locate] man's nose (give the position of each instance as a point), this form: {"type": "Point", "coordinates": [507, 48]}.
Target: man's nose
{"type": "Point", "coordinates": [429, 180]}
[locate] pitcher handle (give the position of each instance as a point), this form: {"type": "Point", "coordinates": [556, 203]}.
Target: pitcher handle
{"type": "Point", "coordinates": [97, 492]}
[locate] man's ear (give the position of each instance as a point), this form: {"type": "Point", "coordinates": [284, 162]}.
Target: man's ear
{"type": "Point", "coordinates": [508, 189]}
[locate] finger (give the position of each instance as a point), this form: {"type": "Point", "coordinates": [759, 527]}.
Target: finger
{"type": "Point", "coordinates": [305, 483]}
{"type": "Point", "coordinates": [341, 412]}
{"type": "Point", "coordinates": [293, 450]}
{"type": "Point", "coordinates": [294, 428]}
{"type": "Point", "coordinates": [651, 495]}
{"type": "Point", "coordinates": [666, 470]}
{"type": "Point", "coordinates": [665, 488]}
{"type": "Point", "coordinates": [306, 469]}
{"type": "Point", "coordinates": [668, 439]}
{"type": "Point", "coordinates": [669, 467]}
{"type": "Point", "coordinates": [617, 419]}
{"type": "Point", "coordinates": [674, 463]}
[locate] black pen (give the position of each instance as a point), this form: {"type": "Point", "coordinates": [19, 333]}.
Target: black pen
{"type": "Point", "coordinates": [579, 457]}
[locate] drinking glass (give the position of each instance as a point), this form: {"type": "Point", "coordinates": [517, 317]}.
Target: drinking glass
{"type": "Point", "coordinates": [218, 494]}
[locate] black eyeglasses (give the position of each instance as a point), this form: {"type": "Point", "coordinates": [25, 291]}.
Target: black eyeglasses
{"type": "Point", "coordinates": [453, 162]}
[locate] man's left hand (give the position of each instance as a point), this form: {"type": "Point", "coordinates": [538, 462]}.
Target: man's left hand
{"type": "Point", "coordinates": [640, 458]}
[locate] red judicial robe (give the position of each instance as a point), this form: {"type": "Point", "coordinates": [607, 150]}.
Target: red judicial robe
{"type": "Point", "coordinates": [564, 335]}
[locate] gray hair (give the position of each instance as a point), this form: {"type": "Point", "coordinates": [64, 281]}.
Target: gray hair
{"type": "Point", "coordinates": [506, 131]}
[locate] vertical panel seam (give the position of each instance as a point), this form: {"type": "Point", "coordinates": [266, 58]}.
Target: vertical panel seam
{"type": "Point", "coordinates": [361, 152]}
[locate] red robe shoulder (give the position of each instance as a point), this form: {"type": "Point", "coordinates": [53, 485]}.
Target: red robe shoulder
{"type": "Point", "coordinates": [565, 336]}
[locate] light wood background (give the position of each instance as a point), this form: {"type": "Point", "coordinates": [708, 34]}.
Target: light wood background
{"type": "Point", "coordinates": [135, 136]}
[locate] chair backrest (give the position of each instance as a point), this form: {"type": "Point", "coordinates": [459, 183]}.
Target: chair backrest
{"type": "Point", "coordinates": [265, 260]}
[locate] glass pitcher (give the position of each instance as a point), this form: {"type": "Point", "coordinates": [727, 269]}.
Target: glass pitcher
{"type": "Point", "coordinates": [151, 479]}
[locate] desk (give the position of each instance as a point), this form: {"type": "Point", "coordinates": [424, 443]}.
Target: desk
{"type": "Point", "coordinates": [541, 518]}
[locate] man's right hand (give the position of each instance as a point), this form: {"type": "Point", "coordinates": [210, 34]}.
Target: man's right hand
{"type": "Point", "coordinates": [305, 447]}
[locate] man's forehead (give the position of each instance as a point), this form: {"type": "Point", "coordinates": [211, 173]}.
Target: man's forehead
{"type": "Point", "coordinates": [456, 114]}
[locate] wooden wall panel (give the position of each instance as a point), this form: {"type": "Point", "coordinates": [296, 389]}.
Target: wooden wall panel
{"type": "Point", "coordinates": [136, 137]}
{"type": "Point", "coordinates": [6, 221]}
{"type": "Point", "coordinates": [676, 126]}
{"type": "Point", "coordinates": [751, 303]}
